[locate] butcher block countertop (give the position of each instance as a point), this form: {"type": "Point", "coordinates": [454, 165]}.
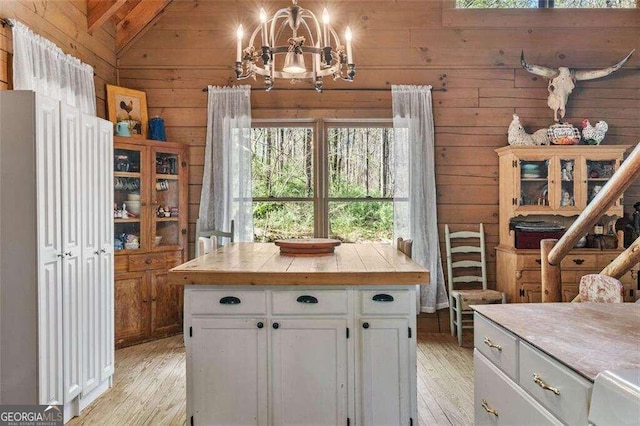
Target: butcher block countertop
{"type": "Point", "coordinates": [587, 337]}
{"type": "Point", "coordinates": [262, 264]}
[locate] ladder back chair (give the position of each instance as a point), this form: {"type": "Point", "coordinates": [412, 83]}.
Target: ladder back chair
{"type": "Point", "coordinates": [600, 289]}
{"type": "Point", "coordinates": [405, 246]}
{"type": "Point", "coordinates": [206, 245]}
{"type": "Point", "coordinates": [214, 233]}
{"type": "Point", "coordinates": [466, 268]}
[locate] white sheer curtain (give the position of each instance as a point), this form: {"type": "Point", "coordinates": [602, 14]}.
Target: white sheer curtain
{"type": "Point", "coordinates": [226, 186]}
{"type": "Point", "coordinates": [414, 206]}
{"type": "Point", "coordinates": [43, 67]}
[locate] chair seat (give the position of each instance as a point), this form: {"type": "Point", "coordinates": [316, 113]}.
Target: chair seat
{"type": "Point", "coordinates": [477, 297]}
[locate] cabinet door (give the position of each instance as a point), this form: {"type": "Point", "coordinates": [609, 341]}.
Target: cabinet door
{"type": "Point", "coordinates": [534, 191]}
{"type": "Point", "coordinates": [131, 308]}
{"type": "Point", "coordinates": [105, 226]}
{"type": "Point", "coordinates": [71, 180]}
{"type": "Point", "coordinates": [384, 371]}
{"type": "Point", "coordinates": [168, 192]}
{"type": "Point", "coordinates": [49, 227]}
{"type": "Point", "coordinates": [90, 305]}
{"type": "Point", "coordinates": [531, 293]}
{"type": "Point", "coordinates": [130, 197]}
{"type": "Point", "coordinates": [309, 372]}
{"type": "Point", "coordinates": [166, 315]}
{"type": "Point", "coordinates": [228, 371]}
{"type": "Point", "coordinates": [568, 198]}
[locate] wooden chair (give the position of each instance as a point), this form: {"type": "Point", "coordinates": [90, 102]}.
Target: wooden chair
{"type": "Point", "coordinates": [405, 246]}
{"type": "Point", "coordinates": [600, 289]}
{"type": "Point", "coordinates": [206, 245]}
{"type": "Point", "coordinates": [472, 255]}
{"type": "Point", "coordinates": [215, 233]}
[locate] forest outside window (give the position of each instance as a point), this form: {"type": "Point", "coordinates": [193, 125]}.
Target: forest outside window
{"type": "Point", "coordinates": [557, 4]}
{"type": "Point", "coordinates": [323, 180]}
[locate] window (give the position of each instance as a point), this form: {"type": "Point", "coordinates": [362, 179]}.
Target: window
{"type": "Point", "coordinates": [323, 179]}
{"type": "Point", "coordinates": [558, 4]}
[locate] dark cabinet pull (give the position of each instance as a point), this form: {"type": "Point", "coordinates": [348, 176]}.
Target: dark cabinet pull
{"type": "Point", "coordinates": [229, 300]}
{"type": "Point", "coordinates": [365, 325]}
{"type": "Point", "coordinates": [276, 325]}
{"type": "Point", "coordinates": [148, 261]}
{"type": "Point", "coordinates": [578, 261]}
{"type": "Point", "coordinates": [382, 298]}
{"type": "Point", "coordinates": [539, 261]}
{"type": "Point", "coordinates": [260, 324]}
{"type": "Point", "coordinates": [307, 299]}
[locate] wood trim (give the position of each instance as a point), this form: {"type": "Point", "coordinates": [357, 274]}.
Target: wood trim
{"type": "Point", "coordinates": [99, 12]}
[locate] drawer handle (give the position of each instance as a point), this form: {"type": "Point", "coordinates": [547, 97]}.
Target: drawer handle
{"type": "Point", "coordinates": [260, 324]}
{"type": "Point", "coordinates": [578, 261]}
{"type": "Point", "coordinates": [488, 409]}
{"type": "Point", "coordinates": [148, 261]}
{"type": "Point", "coordinates": [229, 300]}
{"type": "Point", "coordinates": [382, 298]}
{"type": "Point", "coordinates": [307, 299]}
{"type": "Point", "coordinates": [365, 325]}
{"type": "Point", "coordinates": [539, 261]}
{"type": "Point", "coordinates": [543, 385]}
{"type": "Point", "coordinates": [489, 343]}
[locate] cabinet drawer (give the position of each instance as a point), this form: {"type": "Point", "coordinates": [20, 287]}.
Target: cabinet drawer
{"type": "Point", "coordinates": [530, 262]}
{"type": "Point", "coordinates": [121, 263]}
{"type": "Point", "coordinates": [571, 404]}
{"type": "Point", "coordinates": [497, 344]}
{"type": "Point", "coordinates": [173, 259]}
{"type": "Point", "coordinates": [144, 262]}
{"type": "Point", "coordinates": [493, 390]}
{"type": "Point", "coordinates": [309, 302]}
{"type": "Point", "coordinates": [384, 302]}
{"type": "Point", "coordinates": [227, 302]}
{"type": "Point", "coordinates": [579, 261]}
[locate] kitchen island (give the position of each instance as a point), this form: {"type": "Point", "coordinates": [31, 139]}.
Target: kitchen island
{"type": "Point", "coordinates": [537, 363]}
{"type": "Point", "coordinates": [311, 340]}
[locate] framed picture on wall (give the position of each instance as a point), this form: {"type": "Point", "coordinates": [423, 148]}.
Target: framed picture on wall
{"type": "Point", "coordinates": [128, 106]}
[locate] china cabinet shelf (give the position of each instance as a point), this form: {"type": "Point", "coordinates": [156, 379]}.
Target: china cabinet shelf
{"type": "Point", "coordinates": [127, 174]}
{"type": "Point", "coordinates": [146, 307]}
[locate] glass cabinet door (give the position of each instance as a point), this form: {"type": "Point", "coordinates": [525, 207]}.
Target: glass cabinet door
{"type": "Point", "coordinates": [534, 184]}
{"type": "Point", "coordinates": [128, 197]}
{"type": "Point", "coordinates": [598, 174]}
{"type": "Point", "coordinates": [165, 198]}
{"type": "Point", "coordinates": [568, 196]}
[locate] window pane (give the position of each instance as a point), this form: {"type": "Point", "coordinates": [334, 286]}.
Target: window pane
{"type": "Point", "coordinates": [282, 162]}
{"type": "Point", "coordinates": [527, 4]}
{"type": "Point", "coordinates": [360, 162]}
{"type": "Point", "coordinates": [362, 221]}
{"type": "Point", "coordinates": [273, 220]}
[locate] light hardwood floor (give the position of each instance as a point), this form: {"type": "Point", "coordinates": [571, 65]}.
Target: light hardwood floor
{"type": "Point", "coordinates": [149, 384]}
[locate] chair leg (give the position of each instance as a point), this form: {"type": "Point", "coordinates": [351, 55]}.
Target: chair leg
{"type": "Point", "coordinates": [459, 319]}
{"type": "Point", "coordinates": [504, 298]}
{"type": "Point", "coordinates": [452, 308]}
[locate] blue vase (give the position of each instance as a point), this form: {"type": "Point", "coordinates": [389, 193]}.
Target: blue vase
{"type": "Point", "coordinates": [156, 129]}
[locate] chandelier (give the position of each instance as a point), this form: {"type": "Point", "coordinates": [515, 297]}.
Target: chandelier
{"type": "Point", "coordinates": [286, 39]}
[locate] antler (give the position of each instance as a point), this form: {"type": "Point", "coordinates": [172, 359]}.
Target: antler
{"type": "Point", "coordinates": [593, 74]}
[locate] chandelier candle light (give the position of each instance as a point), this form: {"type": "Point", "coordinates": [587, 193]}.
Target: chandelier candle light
{"type": "Point", "coordinates": [299, 33]}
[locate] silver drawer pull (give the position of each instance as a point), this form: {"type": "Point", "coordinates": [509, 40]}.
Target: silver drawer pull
{"type": "Point", "coordinates": [489, 343]}
{"type": "Point", "coordinates": [538, 381]}
{"type": "Point", "coordinates": [488, 409]}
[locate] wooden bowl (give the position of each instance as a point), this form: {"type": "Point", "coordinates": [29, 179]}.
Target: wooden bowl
{"type": "Point", "coordinates": [307, 247]}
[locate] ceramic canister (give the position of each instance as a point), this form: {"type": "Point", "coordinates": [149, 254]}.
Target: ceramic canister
{"type": "Point", "coordinates": [156, 129]}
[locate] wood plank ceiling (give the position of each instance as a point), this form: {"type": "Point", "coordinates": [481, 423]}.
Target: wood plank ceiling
{"type": "Point", "coordinates": [131, 17]}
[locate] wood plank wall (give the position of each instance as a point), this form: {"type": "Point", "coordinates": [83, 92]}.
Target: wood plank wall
{"type": "Point", "coordinates": [64, 22]}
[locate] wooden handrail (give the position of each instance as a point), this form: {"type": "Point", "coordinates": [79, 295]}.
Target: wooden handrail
{"type": "Point", "coordinates": [624, 262]}
{"type": "Point", "coordinates": [621, 180]}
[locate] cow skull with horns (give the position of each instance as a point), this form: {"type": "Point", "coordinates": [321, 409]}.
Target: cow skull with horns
{"type": "Point", "coordinates": [562, 81]}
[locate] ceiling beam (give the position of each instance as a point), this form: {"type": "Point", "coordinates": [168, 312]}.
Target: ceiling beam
{"type": "Point", "coordinates": [136, 20]}
{"type": "Point", "coordinates": [99, 11]}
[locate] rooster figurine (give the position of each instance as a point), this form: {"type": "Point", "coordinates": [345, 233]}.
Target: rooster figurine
{"type": "Point", "coordinates": [593, 135]}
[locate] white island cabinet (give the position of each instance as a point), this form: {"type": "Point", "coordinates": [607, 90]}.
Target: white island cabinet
{"type": "Point", "coordinates": [535, 364]}
{"type": "Point", "coordinates": [305, 351]}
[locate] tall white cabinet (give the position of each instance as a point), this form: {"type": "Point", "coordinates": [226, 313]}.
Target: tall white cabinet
{"type": "Point", "coordinates": [56, 253]}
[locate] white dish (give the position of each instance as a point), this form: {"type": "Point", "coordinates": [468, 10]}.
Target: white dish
{"type": "Point", "coordinates": [133, 206]}
{"type": "Point", "coordinates": [131, 246]}
{"type": "Point", "coordinates": [158, 239]}
{"type": "Point", "coordinates": [133, 197]}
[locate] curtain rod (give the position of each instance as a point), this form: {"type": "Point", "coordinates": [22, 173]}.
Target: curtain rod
{"type": "Point", "coordinates": [358, 89]}
{"type": "Point", "coordinates": [5, 22]}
